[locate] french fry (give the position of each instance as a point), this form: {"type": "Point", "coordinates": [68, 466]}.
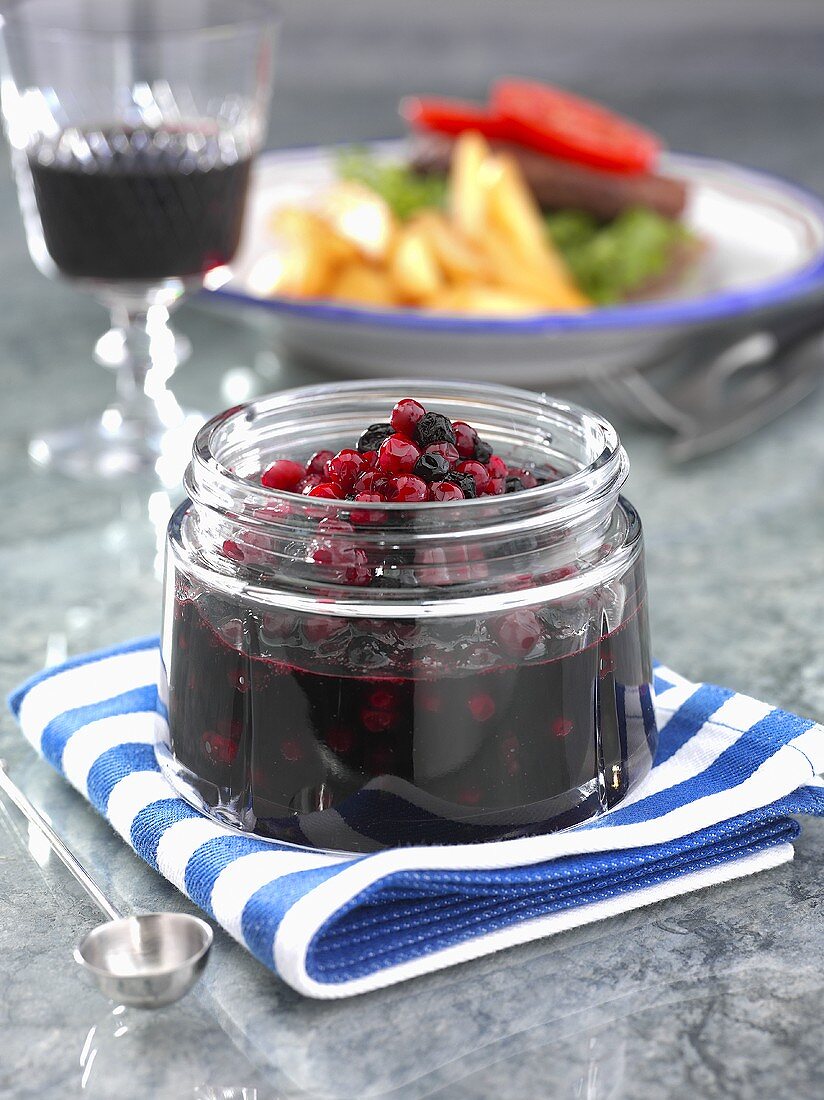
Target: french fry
{"type": "Point", "coordinates": [361, 217]}
{"type": "Point", "coordinates": [458, 259]}
{"type": "Point", "coordinates": [468, 193]}
{"type": "Point", "coordinates": [514, 214]}
{"type": "Point", "coordinates": [360, 282]}
{"type": "Point", "coordinates": [480, 299]}
{"type": "Point", "coordinates": [413, 268]}
{"type": "Point", "coordinates": [297, 224]}
{"type": "Point", "coordinates": [510, 272]}
{"type": "Point", "coordinates": [308, 255]}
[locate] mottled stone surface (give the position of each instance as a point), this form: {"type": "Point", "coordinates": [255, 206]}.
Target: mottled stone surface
{"type": "Point", "coordinates": [717, 995]}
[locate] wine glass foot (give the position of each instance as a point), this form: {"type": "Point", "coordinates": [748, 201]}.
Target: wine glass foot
{"type": "Point", "coordinates": [114, 447]}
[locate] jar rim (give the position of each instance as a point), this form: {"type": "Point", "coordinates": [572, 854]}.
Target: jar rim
{"type": "Point", "coordinates": [606, 472]}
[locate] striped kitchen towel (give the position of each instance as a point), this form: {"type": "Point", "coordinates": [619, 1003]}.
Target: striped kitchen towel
{"type": "Point", "coordinates": [729, 774]}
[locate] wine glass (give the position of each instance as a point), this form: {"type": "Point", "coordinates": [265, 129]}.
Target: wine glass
{"type": "Point", "coordinates": [133, 125]}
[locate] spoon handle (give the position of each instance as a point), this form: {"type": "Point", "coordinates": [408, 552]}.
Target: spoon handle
{"type": "Point", "coordinates": [70, 861]}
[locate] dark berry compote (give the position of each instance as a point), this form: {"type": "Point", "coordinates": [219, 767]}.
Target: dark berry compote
{"type": "Point", "coordinates": [140, 204]}
{"type": "Point", "coordinates": [384, 715]}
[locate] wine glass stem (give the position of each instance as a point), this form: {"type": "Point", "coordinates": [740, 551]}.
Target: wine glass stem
{"type": "Point", "coordinates": [147, 359]}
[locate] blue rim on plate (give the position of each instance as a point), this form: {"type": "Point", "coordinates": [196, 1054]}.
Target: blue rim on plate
{"type": "Point", "coordinates": [638, 314]}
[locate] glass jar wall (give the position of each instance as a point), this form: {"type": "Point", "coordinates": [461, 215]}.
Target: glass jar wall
{"type": "Point", "coordinates": [353, 676]}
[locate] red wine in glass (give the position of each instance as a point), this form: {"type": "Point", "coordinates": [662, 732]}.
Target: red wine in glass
{"type": "Point", "coordinates": [140, 204]}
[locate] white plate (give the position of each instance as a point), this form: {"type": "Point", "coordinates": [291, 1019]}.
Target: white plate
{"type": "Point", "coordinates": [765, 251]}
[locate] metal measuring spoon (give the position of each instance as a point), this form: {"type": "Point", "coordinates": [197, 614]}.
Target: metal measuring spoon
{"type": "Point", "coordinates": [144, 961]}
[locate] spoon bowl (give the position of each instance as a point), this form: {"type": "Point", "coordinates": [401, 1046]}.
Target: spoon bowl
{"type": "Point", "coordinates": [146, 961]}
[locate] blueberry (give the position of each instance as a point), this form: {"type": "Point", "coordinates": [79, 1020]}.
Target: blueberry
{"type": "Point", "coordinates": [367, 653]}
{"type": "Point", "coordinates": [431, 467]}
{"type": "Point", "coordinates": [434, 428]}
{"type": "Point", "coordinates": [392, 577]}
{"type": "Point", "coordinates": [483, 452]}
{"type": "Point", "coordinates": [514, 485]}
{"type": "Point", "coordinates": [374, 435]}
{"type": "Point", "coordinates": [466, 482]}
{"type": "Point", "coordinates": [398, 556]}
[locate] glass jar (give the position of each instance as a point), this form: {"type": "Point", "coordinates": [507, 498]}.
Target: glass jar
{"type": "Point", "coordinates": [355, 676]}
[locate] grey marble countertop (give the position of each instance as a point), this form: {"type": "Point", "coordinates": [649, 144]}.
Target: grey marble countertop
{"type": "Point", "coordinates": [714, 995]}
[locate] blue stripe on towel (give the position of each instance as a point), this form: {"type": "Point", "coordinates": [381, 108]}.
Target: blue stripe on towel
{"type": "Point", "coordinates": [736, 764]}
{"type": "Point", "coordinates": [61, 728]}
{"type": "Point", "coordinates": [267, 907]}
{"type": "Point", "coordinates": [112, 766]}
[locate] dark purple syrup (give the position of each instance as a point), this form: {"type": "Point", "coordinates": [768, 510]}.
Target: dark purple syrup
{"type": "Point", "coordinates": [140, 204]}
{"type": "Point", "coordinates": [362, 734]}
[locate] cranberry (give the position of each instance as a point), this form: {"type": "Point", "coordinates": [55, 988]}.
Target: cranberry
{"type": "Point", "coordinates": [519, 632]}
{"type": "Point", "coordinates": [465, 438]}
{"type": "Point", "coordinates": [469, 796]}
{"type": "Point", "coordinates": [232, 632]}
{"type": "Point", "coordinates": [398, 455]}
{"type": "Point", "coordinates": [368, 515]}
{"type": "Point", "coordinates": [406, 415]}
{"type": "Point", "coordinates": [291, 751]}
{"type": "Point", "coordinates": [476, 470]}
{"type": "Point", "coordinates": [277, 510]}
{"type": "Point", "coordinates": [372, 481]}
{"type": "Point", "coordinates": [381, 699]}
{"type": "Point", "coordinates": [327, 491]}
{"type": "Point", "coordinates": [560, 574]}
{"type": "Point", "coordinates": [232, 550]}
{"type": "Point", "coordinates": [481, 707]}
{"type": "Point", "coordinates": [344, 468]}
{"type": "Point", "coordinates": [431, 565]}
{"type": "Point", "coordinates": [278, 624]}
{"type": "Point", "coordinates": [527, 478]}
{"type": "Point", "coordinates": [446, 450]}
{"type": "Point", "coordinates": [317, 463]}
{"type": "Point", "coordinates": [320, 628]}
{"type": "Point", "coordinates": [497, 467]}
{"type": "Point", "coordinates": [307, 483]}
{"type": "Point", "coordinates": [282, 474]}
{"type": "Point", "coordinates": [407, 489]}
{"type": "Point", "coordinates": [377, 721]}
{"type": "Point", "coordinates": [495, 487]}
{"type": "Point", "coordinates": [219, 749]}
{"type": "Point", "coordinates": [340, 738]}
{"type": "Point", "coordinates": [445, 490]}
{"type": "Point", "coordinates": [358, 573]}
{"type": "Point", "coordinates": [562, 727]}
{"type": "Point", "coordinates": [370, 460]}
{"type": "Point", "coordinates": [331, 525]}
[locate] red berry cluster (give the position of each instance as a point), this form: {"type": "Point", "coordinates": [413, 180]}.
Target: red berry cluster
{"type": "Point", "coordinates": [415, 456]}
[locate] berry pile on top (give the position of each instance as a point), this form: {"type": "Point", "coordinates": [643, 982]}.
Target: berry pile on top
{"type": "Point", "coordinates": [417, 456]}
